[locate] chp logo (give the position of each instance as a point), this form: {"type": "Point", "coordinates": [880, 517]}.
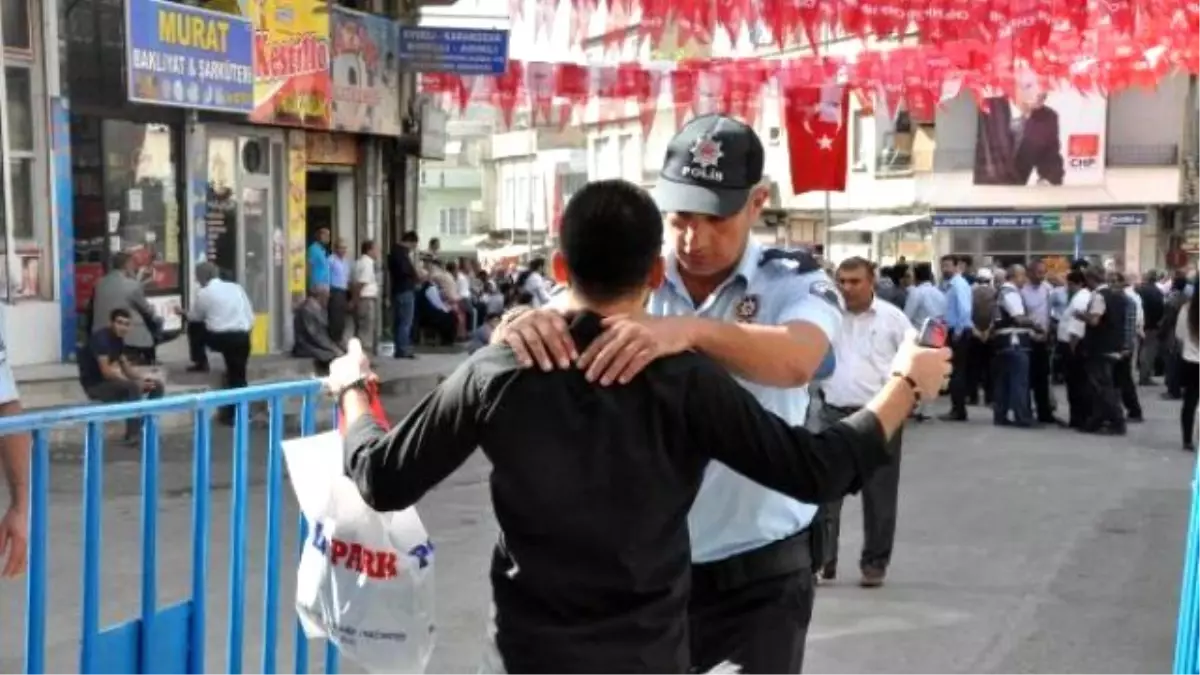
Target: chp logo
{"type": "Point", "coordinates": [1083, 151]}
{"type": "Point", "coordinates": [706, 156]}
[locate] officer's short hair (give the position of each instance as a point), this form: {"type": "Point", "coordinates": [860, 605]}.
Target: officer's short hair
{"type": "Point", "coordinates": [612, 233]}
{"type": "Point", "coordinates": [857, 263]}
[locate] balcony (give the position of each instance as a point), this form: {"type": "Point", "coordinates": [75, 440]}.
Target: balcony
{"type": "Point", "coordinates": [893, 163]}
{"type": "Point", "coordinates": [1143, 155]}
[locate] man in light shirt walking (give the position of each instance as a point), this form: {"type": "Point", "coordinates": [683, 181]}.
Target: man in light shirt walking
{"type": "Point", "coordinates": [365, 298]}
{"type": "Point", "coordinates": [1035, 295]}
{"type": "Point", "coordinates": [871, 335]}
{"type": "Point", "coordinates": [1070, 338]}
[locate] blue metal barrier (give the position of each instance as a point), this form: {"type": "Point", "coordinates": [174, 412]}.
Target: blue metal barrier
{"type": "Point", "coordinates": [1187, 637]}
{"type": "Point", "coordinates": [173, 638]}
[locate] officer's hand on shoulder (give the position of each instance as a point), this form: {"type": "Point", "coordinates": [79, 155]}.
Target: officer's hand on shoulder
{"type": "Point", "coordinates": [629, 344]}
{"type": "Point", "coordinates": [538, 336]}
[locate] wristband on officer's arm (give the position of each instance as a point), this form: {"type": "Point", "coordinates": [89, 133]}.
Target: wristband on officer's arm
{"type": "Point", "coordinates": [912, 384]}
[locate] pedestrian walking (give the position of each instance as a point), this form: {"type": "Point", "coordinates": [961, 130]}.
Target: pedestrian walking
{"type": "Point", "coordinates": [366, 297]}
{"type": "Point", "coordinates": [1187, 332]}
{"type": "Point", "coordinates": [873, 331]}
{"type": "Point", "coordinates": [958, 322]}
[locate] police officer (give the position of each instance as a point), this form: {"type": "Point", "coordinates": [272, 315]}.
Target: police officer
{"type": "Point", "coordinates": [1103, 343]}
{"type": "Point", "coordinates": [1011, 336]}
{"type": "Point", "coordinates": [770, 319]}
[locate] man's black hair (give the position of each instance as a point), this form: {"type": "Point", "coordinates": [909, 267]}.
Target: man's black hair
{"type": "Point", "coordinates": [612, 233]}
{"type": "Point", "coordinates": [119, 313]}
{"type": "Point", "coordinates": [922, 272]}
{"type": "Point", "coordinates": [410, 237]}
{"type": "Point", "coordinates": [366, 246]}
{"type": "Point", "coordinates": [951, 258]}
{"type": "Point", "coordinates": [1076, 277]}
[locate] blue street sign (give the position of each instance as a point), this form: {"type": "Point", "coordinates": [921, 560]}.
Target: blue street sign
{"type": "Point", "coordinates": [1033, 220]}
{"type": "Point", "coordinates": [465, 51]}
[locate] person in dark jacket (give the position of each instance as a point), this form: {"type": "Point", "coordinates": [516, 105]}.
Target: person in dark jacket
{"type": "Point", "coordinates": [404, 279]}
{"type": "Point", "coordinates": [1175, 301]}
{"type": "Point", "coordinates": [592, 484]}
{"type": "Point", "coordinates": [1153, 307]}
{"type": "Point", "coordinates": [1103, 342]}
{"type": "Point", "coordinates": [311, 328]}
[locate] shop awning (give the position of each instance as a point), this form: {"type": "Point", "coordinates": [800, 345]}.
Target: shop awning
{"type": "Point", "coordinates": [878, 224]}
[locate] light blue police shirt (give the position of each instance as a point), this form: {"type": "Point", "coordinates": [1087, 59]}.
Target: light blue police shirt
{"type": "Point", "coordinates": [733, 514]}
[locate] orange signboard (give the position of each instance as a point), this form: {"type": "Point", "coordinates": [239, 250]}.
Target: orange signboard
{"type": "Point", "coordinates": [292, 83]}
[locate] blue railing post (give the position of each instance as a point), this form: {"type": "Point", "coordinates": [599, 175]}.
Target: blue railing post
{"type": "Point", "coordinates": [149, 537]}
{"type": "Point", "coordinates": [39, 489]}
{"type": "Point", "coordinates": [237, 545]}
{"type": "Point", "coordinates": [274, 533]}
{"type": "Point", "coordinates": [201, 484]}
{"type": "Point", "coordinates": [93, 499]}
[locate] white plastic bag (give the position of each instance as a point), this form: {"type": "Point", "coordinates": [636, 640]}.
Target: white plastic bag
{"type": "Point", "coordinates": [365, 578]}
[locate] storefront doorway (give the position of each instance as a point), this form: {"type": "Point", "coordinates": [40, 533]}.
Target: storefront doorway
{"type": "Point", "coordinates": [330, 203]}
{"type": "Point", "coordinates": [245, 224]}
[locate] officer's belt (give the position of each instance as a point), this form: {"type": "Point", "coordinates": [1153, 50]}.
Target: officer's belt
{"type": "Point", "coordinates": [776, 559]}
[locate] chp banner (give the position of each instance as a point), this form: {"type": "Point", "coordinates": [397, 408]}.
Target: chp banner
{"type": "Point", "coordinates": [292, 85]}
{"type": "Point", "coordinates": [193, 58]}
{"type": "Point", "coordinates": [366, 74]}
{"type": "Point", "coordinates": [1042, 135]}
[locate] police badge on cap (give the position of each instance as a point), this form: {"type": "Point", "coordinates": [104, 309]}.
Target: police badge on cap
{"type": "Point", "coordinates": [747, 309]}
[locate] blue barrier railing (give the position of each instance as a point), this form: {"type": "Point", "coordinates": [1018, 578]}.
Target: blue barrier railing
{"type": "Point", "coordinates": [1187, 637]}
{"type": "Point", "coordinates": [173, 638]}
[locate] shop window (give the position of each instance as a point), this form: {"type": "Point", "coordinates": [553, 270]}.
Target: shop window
{"type": "Point", "coordinates": [20, 103]}
{"type": "Point", "coordinates": [126, 181]}
{"type": "Point", "coordinates": [1004, 239]}
{"type": "Point", "coordinates": [964, 240]}
{"type": "Point", "coordinates": [17, 24]}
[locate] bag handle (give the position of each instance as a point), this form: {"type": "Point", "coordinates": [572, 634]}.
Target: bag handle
{"type": "Point", "coordinates": [376, 404]}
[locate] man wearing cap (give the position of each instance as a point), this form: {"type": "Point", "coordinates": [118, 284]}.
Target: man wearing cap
{"type": "Point", "coordinates": [770, 318]}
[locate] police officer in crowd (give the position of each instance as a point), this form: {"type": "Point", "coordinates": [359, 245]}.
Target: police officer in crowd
{"type": "Point", "coordinates": [591, 573]}
{"type": "Point", "coordinates": [1103, 342]}
{"type": "Point", "coordinates": [769, 321]}
{"type": "Point", "coordinates": [873, 331]}
{"type": "Point", "coordinates": [1071, 330]}
{"type": "Point", "coordinates": [1011, 336]}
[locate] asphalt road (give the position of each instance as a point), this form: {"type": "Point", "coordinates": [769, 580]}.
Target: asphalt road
{"type": "Point", "coordinates": [1017, 551]}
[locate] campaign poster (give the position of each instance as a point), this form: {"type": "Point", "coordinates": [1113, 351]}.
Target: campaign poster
{"type": "Point", "coordinates": [188, 57]}
{"type": "Point", "coordinates": [292, 85]}
{"type": "Point", "coordinates": [1041, 136]}
{"type": "Point", "coordinates": [366, 74]}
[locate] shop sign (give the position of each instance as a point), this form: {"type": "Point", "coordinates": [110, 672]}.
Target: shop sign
{"type": "Point", "coordinates": [464, 51]}
{"type": "Point", "coordinates": [1051, 222]}
{"type": "Point", "coordinates": [292, 84]}
{"type": "Point", "coordinates": [326, 148]}
{"type": "Point", "coordinates": [297, 231]}
{"type": "Point", "coordinates": [366, 75]}
{"type": "Point", "coordinates": [182, 56]}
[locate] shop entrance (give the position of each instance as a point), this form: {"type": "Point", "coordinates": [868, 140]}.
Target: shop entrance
{"type": "Point", "coordinates": [330, 204]}
{"type": "Point", "coordinates": [245, 225]}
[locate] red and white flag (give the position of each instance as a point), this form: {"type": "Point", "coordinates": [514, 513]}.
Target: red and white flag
{"type": "Point", "coordinates": [815, 121]}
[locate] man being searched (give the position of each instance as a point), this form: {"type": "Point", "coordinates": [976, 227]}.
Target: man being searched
{"type": "Point", "coordinates": [1011, 335]}
{"type": "Point", "coordinates": [1103, 343]}
{"type": "Point", "coordinates": [591, 573]}
{"type": "Point", "coordinates": [770, 322]}
{"type": "Point", "coordinates": [106, 374]}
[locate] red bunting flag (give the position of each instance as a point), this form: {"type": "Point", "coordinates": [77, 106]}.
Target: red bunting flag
{"type": "Point", "coordinates": [815, 122]}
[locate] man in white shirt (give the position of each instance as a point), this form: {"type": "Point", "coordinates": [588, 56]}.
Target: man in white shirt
{"type": "Point", "coordinates": [872, 332]}
{"type": "Point", "coordinates": [1071, 330]}
{"type": "Point", "coordinates": [224, 310]}
{"type": "Point", "coordinates": [1035, 295]}
{"type": "Point", "coordinates": [365, 297]}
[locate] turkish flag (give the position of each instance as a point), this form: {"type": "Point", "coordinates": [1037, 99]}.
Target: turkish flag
{"type": "Point", "coordinates": [817, 133]}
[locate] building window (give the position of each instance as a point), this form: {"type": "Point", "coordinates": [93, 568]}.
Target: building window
{"type": "Point", "coordinates": [856, 139]}
{"type": "Point", "coordinates": [508, 207]}
{"type": "Point", "coordinates": [628, 159]}
{"type": "Point", "coordinates": [17, 24]}
{"type": "Point", "coordinates": [452, 222]}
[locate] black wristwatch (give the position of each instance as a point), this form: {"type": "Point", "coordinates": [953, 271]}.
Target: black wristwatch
{"type": "Point", "coordinates": [358, 385]}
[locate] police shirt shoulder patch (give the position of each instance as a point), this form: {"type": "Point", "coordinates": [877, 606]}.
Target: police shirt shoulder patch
{"type": "Point", "coordinates": [802, 258]}
{"type": "Point", "coordinates": [825, 290]}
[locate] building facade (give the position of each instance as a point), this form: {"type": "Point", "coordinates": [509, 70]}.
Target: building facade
{"type": "Point", "coordinates": [1125, 205]}
{"type": "Point", "coordinates": [178, 149]}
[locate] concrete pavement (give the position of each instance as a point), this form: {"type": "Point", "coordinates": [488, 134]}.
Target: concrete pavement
{"type": "Point", "coordinates": [1017, 551]}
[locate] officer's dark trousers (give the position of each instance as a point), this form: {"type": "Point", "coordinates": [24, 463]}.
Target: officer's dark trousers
{"type": "Point", "coordinates": [879, 500]}
{"type": "Point", "coordinates": [1105, 400]}
{"type": "Point", "coordinates": [1123, 379]}
{"type": "Point", "coordinates": [1039, 380]}
{"type": "Point", "coordinates": [1078, 395]}
{"type": "Point", "coordinates": [979, 360]}
{"type": "Point", "coordinates": [1010, 381]}
{"type": "Point", "coordinates": [339, 303]}
{"type": "Point", "coordinates": [753, 609]}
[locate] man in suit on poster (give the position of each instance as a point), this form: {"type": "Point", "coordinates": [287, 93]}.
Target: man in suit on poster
{"type": "Point", "coordinates": [1009, 148]}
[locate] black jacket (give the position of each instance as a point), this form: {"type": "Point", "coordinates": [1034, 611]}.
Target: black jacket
{"type": "Point", "coordinates": [401, 272]}
{"type": "Point", "coordinates": [591, 488]}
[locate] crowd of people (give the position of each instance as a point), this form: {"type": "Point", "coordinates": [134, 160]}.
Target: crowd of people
{"type": "Point", "coordinates": [1015, 331]}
